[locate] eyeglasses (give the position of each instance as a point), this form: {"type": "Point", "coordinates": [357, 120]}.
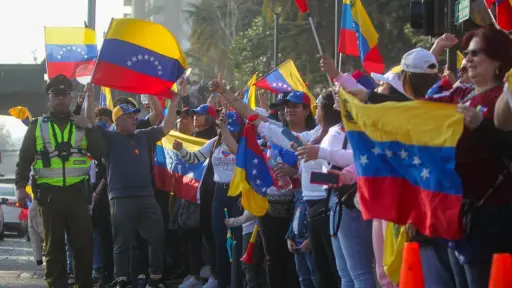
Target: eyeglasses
{"type": "Point", "coordinates": [473, 53]}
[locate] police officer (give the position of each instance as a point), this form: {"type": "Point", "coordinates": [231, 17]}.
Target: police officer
{"type": "Point", "coordinates": [55, 147]}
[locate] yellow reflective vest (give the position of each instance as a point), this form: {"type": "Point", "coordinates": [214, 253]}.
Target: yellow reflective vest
{"type": "Point", "coordinates": [60, 173]}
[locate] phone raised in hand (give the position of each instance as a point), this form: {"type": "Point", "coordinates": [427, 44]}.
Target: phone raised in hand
{"type": "Point", "coordinates": [291, 137]}
{"type": "Point", "coordinates": [321, 178]}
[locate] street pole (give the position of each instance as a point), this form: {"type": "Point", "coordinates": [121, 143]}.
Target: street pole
{"type": "Point", "coordinates": [276, 39]}
{"type": "Point", "coordinates": [91, 14]}
{"type": "Point", "coordinates": [451, 58]}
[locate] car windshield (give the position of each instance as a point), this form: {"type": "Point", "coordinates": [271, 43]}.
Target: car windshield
{"type": "Point", "coordinates": [7, 191]}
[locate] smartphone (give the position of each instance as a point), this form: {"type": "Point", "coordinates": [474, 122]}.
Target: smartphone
{"type": "Point", "coordinates": [291, 137]}
{"type": "Point", "coordinates": [321, 178]}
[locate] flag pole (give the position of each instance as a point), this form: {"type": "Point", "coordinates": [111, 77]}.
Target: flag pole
{"type": "Point", "coordinates": [336, 32]}
{"type": "Point", "coordinates": [317, 42]}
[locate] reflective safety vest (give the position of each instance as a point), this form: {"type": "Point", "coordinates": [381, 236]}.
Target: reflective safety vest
{"type": "Point", "coordinates": [60, 173]}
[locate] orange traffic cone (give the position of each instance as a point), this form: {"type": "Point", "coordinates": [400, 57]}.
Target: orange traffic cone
{"type": "Point", "coordinates": [501, 271]}
{"type": "Point", "coordinates": [411, 275]}
{"type": "Point", "coordinates": [247, 258]}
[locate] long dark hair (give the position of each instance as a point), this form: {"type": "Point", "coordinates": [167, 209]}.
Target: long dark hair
{"type": "Point", "coordinates": [310, 119]}
{"type": "Point", "coordinates": [332, 117]}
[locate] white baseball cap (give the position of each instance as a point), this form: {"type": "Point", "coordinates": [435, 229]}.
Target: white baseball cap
{"type": "Point", "coordinates": [261, 111]}
{"type": "Point", "coordinates": [419, 60]}
{"type": "Point", "coordinates": [393, 77]}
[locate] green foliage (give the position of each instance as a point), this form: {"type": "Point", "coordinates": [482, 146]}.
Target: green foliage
{"type": "Point", "coordinates": [416, 38]}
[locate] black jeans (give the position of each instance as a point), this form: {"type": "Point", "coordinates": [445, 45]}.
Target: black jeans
{"type": "Point", "coordinates": [323, 254]}
{"type": "Point", "coordinates": [192, 247]}
{"type": "Point", "coordinates": [162, 199]}
{"type": "Point", "coordinates": [205, 222]}
{"type": "Point", "coordinates": [281, 270]}
{"type": "Point", "coordinates": [101, 221]}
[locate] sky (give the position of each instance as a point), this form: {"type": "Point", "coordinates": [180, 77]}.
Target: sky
{"type": "Point", "coordinates": [22, 24]}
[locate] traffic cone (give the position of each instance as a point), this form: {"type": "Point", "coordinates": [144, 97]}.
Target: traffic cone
{"type": "Point", "coordinates": [411, 275]}
{"type": "Point", "coordinates": [247, 259]}
{"type": "Point", "coordinates": [501, 271]}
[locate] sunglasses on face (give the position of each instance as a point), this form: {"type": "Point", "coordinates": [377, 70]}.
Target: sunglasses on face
{"type": "Point", "coordinates": [473, 53]}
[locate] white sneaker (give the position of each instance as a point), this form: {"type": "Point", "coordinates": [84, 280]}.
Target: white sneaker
{"type": "Point", "coordinates": [185, 281]}
{"type": "Point", "coordinates": [205, 272]}
{"type": "Point", "coordinates": [212, 283]}
{"type": "Point", "coordinates": [192, 283]}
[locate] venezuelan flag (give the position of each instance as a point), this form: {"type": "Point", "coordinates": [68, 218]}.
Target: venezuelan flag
{"type": "Point", "coordinates": [139, 57]}
{"type": "Point", "coordinates": [358, 36]}
{"type": "Point", "coordinates": [68, 48]}
{"type": "Point", "coordinates": [285, 78]}
{"type": "Point", "coordinates": [106, 98]}
{"type": "Point", "coordinates": [503, 13]}
{"type": "Point", "coordinates": [172, 173]}
{"type": "Point", "coordinates": [252, 175]}
{"type": "Point", "coordinates": [250, 92]}
{"type": "Point", "coordinates": [21, 113]}
{"type": "Point", "coordinates": [406, 162]}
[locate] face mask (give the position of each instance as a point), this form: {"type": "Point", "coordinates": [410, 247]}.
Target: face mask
{"type": "Point", "coordinates": [102, 124]}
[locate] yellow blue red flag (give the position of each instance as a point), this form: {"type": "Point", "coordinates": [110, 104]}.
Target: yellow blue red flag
{"type": "Point", "coordinates": [68, 48]}
{"type": "Point", "coordinates": [172, 173]}
{"type": "Point", "coordinates": [358, 36]}
{"type": "Point", "coordinates": [250, 92]}
{"type": "Point", "coordinates": [252, 175]}
{"type": "Point", "coordinates": [21, 113]}
{"type": "Point", "coordinates": [406, 162]}
{"type": "Point", "coordinates": [139, 57]}
{"type": "Point", "coordinates": [285, 78]}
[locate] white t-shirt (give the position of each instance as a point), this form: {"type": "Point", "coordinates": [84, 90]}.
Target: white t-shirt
{"type": "Point", "coordinates": [223, 161]}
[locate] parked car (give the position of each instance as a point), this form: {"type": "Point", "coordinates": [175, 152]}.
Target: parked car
{"type": "Point", "coordinates": [15, 219]}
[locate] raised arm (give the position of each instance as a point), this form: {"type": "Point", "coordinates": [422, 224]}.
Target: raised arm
{"type": "Point", "coordinates": [156, 111]}
{"type": "Point", "coordinates": [170, 118]}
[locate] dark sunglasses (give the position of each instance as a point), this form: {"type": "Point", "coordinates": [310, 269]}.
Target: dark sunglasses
{"type": "Point", "coordinates": [473, 53]}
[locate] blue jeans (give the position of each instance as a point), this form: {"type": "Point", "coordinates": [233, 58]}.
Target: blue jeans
{"type": "Point", "coordinates": [222, 201]}
{"type": "Point", "coordinates": [98, 252]}
{"type": "Point", "coordinates": [306, 269]}
{"type": "Point", "coordinates": [436, 266]}
{"type": "Point", "coordinates": [353, 248]}
{"type": "Point", "coordinates": [69, 257]}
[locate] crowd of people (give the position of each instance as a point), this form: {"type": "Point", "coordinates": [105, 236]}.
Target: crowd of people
{"type": "Point", "coordinates": [312, 235]}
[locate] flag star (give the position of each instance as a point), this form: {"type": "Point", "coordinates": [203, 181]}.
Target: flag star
{"type": "Point", "coordinates": [156, 62]}
{"type": "Point", "coordinates": [425, 173]}
{"type": "Point", "coordinates": [151, 59]}
{"type": "Point", "coordinates": [61, 52]}
{"type": "Point", "coordinates": [83, 52]}
{"type": "Point", "coordinates": [255, 161]}
{"type": "Point", "coordinates": [264, 189]}
{"type": "Point", "coordinates": [160, 72]}
{"type": "Point", "coordinates": [416, 161]}
{"type": "Point", "coordinates": [280, 84]}
{"type": "Point", "coordinates": [134, 59]}
{"type": "Point", "coordinates": [146, 57]}
{"type": "Point", "coordinates": [140, 57]}
{"type": "Point", "coordinates": [274, 84]}
{"type": "Point", "coordinates": [403, 154]}
{"type": "Point", "coordinates": [376, 150]}
{"type": "Point", "coordinates": [73, 48]}
{"type": "Point", "coordinates": [79, 50]}
{"type": "Point", "coordinates": [363, 159]}
{"type": "Point", "coordinates": [159, 67]}
{"type": "Point", "coordinates": [254, 171]}
{"type": "Point", "coordinates": [58, 57]}
{"type": "Point", "coordinates": [69, 48]}
{"type": "Point", "coordinates": [389, 153]}
{"type": "Point", "coordinates": [258, 182]}
{"type": "Point", "coordinates": [129, 63]}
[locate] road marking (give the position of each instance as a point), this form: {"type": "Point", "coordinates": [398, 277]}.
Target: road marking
{"type": "Point", "coordinates": [16, 248]}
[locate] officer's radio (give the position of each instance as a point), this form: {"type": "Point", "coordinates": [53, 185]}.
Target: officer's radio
{"type": "Point", "coordinates": [64, 151]}
{"type": "Point", "coordinates": [45, 158]}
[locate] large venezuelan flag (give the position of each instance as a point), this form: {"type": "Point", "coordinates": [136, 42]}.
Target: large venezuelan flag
{"type": "Point", "coordinates": [358, 36]}
{"type": "Point", "coordinates": [139, 57]}
{"type": "Point", "coordinates": [68, 48]}
{"type": "Point", "coordinates": [250, 92]}
{"type": "Point", "coordinates": [172, 173]}
{"type": "Point", "coordinates": [406, 162]}
{"type": "Point", "coordinates": [252, 175]}
{"type": "Point", "coordinates": [285, 78]}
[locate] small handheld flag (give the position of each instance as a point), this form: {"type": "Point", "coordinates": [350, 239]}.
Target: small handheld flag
{"type": "Point", "coordinates": [229, 239]}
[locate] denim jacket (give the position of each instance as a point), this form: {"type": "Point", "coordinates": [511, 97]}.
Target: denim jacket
{"type": "Point", "coordinates": [300, 215]}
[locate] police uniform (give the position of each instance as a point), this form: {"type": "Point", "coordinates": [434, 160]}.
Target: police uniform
{"type": "Point", "coordinates": [56, 150]}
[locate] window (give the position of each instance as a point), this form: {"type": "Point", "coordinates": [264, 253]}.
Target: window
{"type": "Point", "coordinates": [7, 191]}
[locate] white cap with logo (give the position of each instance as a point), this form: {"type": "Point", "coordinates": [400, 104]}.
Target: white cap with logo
{"type": "Point", "coordinates": [393, 77]}
{"type": "Point", "coordinates": [419, 60]}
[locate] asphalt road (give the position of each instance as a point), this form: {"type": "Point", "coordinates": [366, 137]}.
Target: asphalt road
{"type": "Point", "coordinates": [17, 267]}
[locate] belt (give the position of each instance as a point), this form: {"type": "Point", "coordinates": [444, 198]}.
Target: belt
{"type": "Point", "coordinates": [312, 203]}
{"type": "Point", "coordinates": [223, 185]}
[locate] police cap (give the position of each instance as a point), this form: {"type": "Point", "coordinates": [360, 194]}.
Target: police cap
{"type": "Point", "coordinates": [59, 84]}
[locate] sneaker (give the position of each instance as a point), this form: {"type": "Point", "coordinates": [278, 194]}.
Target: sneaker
{"type": "Point", "coordinates": [114, 283]}
{"type": "Point", "coordinates": [141, 281]}
{"type": "Point", "coordinates": [212, 283]}
{"type": "Point", "coordinates": [156, 283]}
{"type": "Point", "coordinates": [192, 283]}
{"type": "Point", "coordinates": [205, 272]}
{"type": "Point", "coordinates": [71, 279]}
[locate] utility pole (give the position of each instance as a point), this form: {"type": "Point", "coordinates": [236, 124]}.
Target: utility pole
{"type": "Point", "coordinates": [276, 37]}
{"type": "Point", "coordinates": [91, 14]}
{"type": "Point", "coordinates": [451, 58]}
